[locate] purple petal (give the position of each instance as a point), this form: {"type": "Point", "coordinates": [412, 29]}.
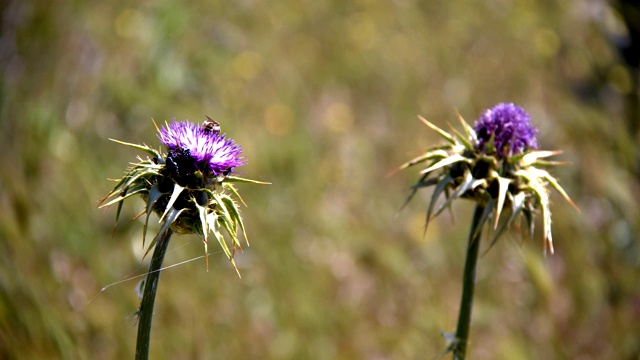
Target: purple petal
{"type": "Point", "coordinates": [510, 126]}
{"type": "Point", "coordinates": [209, 150]}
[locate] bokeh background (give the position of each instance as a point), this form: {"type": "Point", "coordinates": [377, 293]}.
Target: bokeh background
{"type": "Point", "coordinates": [324, 98]}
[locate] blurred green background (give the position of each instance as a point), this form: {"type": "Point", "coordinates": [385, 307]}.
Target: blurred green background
{"type": "Point", "coordinates": [324, 97]}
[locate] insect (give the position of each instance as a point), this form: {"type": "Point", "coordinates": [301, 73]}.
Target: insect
{"type": "Point", "coordinates": [211, 126]}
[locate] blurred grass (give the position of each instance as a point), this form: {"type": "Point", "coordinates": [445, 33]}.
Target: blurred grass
{"type": "Point", "coordinates": [323, 96]}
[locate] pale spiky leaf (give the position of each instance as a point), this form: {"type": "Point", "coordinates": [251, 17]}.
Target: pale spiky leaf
{"type": "Point", "coordinates": [488, 209]}
{"type": "Point", "coordinates": [144, 148]}
{"type": "Point", "coordinates": [234, 191]}
{"type": "Point", "coordinates": [204, 228]}
{"type": "Point", "coordinates": [471, 134]}
{"type": "Point", "coordinates": [445, 135]}
{"type": "Point", "coordinates": [172, 215]}
{"type": "Point", "coordinates": [154, 195]}
{"type": "Point", "coordinates": [459, 191]}
{"type": "Point", "coordinates": [517, 202]}
{"type": "Point", "coordinates": [429, 155]}
{"type": "Point", "coordinates": [557, 186]}
{"type": "Point", "coordinates": [126, 194]}
{"type": "Point", "coordinates": [531, 157]}
{"type": "Point", "coordinates": [445, 162]}
{"type": "Point", "coordinates": [434, 198]}
{"type": "Point", "coordinates": [420, 184]}
{"type": "Point", "coordinates": [503, 186]}
{"type": "Point", "coordinates": [235, 215]}
{"type": "Point", "coordinates": [463, 139]}
{"type": "Point", "coordinates": [231, 178]}
{"type": "Point", "coordinates": [177, 190]}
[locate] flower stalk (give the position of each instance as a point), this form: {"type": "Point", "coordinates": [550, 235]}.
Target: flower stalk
{"type": "Point", "coordinates": [145, 312]}
{"type": "Point", "coordinates": [468, 286]}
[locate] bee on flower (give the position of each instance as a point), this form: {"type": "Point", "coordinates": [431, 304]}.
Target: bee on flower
{"type": "Point", "coordinates": [188, 183]}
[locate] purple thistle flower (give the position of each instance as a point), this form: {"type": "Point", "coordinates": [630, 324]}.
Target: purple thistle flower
{"type": "Point", "coordinates": [193, 148]}
{"type": "Point", "coordinates": [510, 126]}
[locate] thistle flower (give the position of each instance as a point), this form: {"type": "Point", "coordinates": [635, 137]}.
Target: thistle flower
{"type": "Point", "coordinates": [510, 127]}
{"type": "Point", "coordinates": [193, 148]}
{"type": "Point", "coordinates": [190, 188]}
{"type": "Point", "coordinates": [495, 164]}
{"type": "Point", "coordinates": [189, 184]}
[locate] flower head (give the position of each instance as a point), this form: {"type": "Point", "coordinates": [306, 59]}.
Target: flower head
{"type": "Point", "coordinates": [510, 128]}
{"type": "Point", "coordinates": [193, 148]}
{"type": "Point", "coordinates": [190, 186]}
{"type": "Point", "coordinates": [494, 164]}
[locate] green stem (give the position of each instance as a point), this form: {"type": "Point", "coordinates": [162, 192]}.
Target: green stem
{"type": "Point", "coordinates": [149, 297]}
{"type": "Point", "coordinates": [468, 286]}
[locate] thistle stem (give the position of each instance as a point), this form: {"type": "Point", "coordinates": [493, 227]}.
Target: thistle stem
{"type": "Point", "coordinates": [468, 286]}
{"type": "Point", "coordinates": [149, 296]}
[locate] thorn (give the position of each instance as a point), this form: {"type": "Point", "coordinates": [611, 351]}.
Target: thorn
{"type": "Point", "coordinates": [156, 125]}
{"type": "Point", "coordinates": [100, 201]}
{"type": "Point", "coordinates": [393, 172]}
{"type": "Point", "coordinates": [235, 267]}
{"type": "Point", "coordinates": [206, 253]}
{"type": "Point", "coordinates": [425, 121]}
{"type": "Point", "coordinates": [138, 216]}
